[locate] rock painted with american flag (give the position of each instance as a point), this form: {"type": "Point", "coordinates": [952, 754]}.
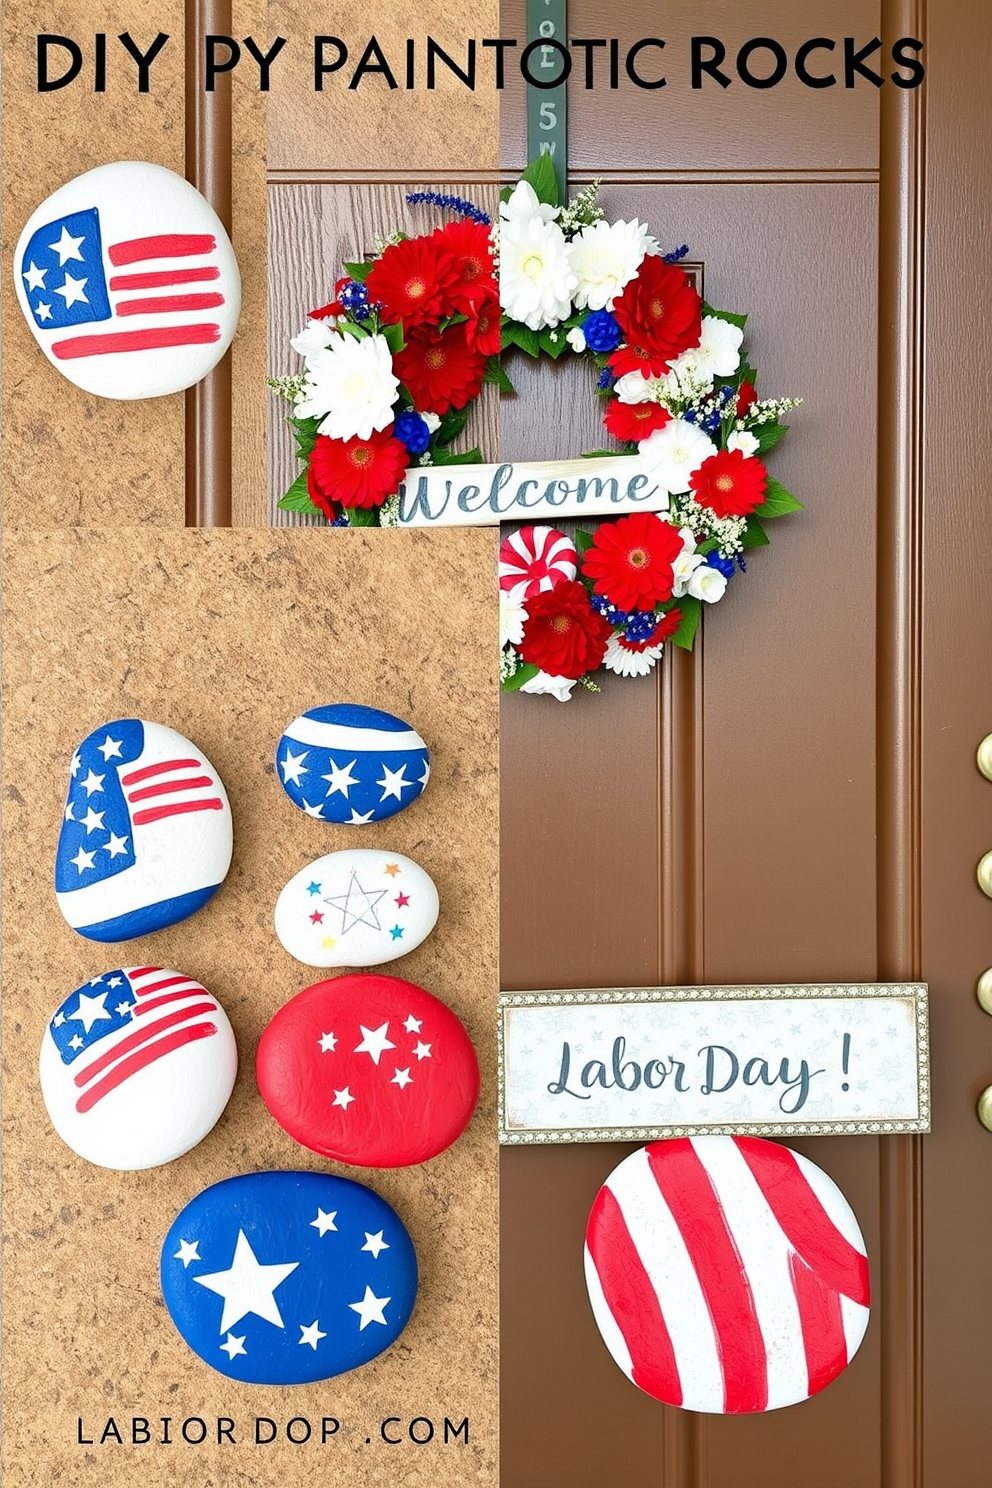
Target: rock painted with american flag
{"type": "Point", "coordinates": [128, 281]}
{"type": "Point", "coordinates": [136, 1067]}
{"type": "Point", "coordinates": [288, 1278]}
{"type": "Point", "coordinates": [369, 1070]}
{"type": "Point", "coordinates": [146, 836]}
{"type": "Point", "coordinates": [350, 764]}
{"type": "Point", "coordinates": [356, 907]}
{"type": "Point", "coordinates": [727, 1274]}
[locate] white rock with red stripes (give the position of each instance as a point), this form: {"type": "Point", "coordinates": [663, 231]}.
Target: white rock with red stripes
{"type": "Point", "coordinates": [128, 281]}
{"type": "Point", "coordinates": [726, 1274]}
{"type": "Point", "coordinates": [146, 834]}
{"type": "Point", "coordinates": [136, 1067]}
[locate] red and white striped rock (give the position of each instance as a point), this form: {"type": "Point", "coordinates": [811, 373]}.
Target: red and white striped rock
{"type": "Point", "coordinates": [726, 1274]}
{"type": "Point", "coordinates": [535, 559]}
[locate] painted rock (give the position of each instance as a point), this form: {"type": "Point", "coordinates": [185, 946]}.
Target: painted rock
{"type": "Point", "coordinates": [369, 1070]}
{"type": "Point", "coordinates": [128, 281]}
{"type": "Point", "coordinates": [287, 1278]}
{"type": "Point", "coordinates": [726, 1274]}
{"type": "Point", "coordinates": [356, 908]}
{"type": "Point", "coordinates": [346, 763]}
{"type": "Point", "coordinates": [147, 832]}
{"type": "Point", "coordinates": [136, 1067]}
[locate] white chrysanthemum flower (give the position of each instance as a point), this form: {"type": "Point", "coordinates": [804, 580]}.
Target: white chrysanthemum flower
{"type": "Point", "coordinates": [708, 584]}
{"type": "Point", "coordinates": [522, 205]}
{"type": "Point", "coordinates": [717, 355]}
{"type": "Point", "coordinates": [556, 687]}
{"type": "Point", "coordinates": [576, 339]}
{"type": "Point", "coordinates": [674, 453]}
{"type": "Point", "coordinates": [512, 615]}
{"type": "Point", "coordinates": [351, 381]}
{"type": "Point", "coordinates": [536, 284]}
{"type": "Point", "coordinates": [315, 335]}
{"type": "Point", "coordinates": [626, 662]}
{"type": "Point", "coordinates": [743, 440]}
{"type": "Point", "coordinates": [634, 387]}
{"type": "Point", "coordinates": [605, 256]}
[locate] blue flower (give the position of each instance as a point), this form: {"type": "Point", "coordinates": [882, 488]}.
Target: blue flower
{"type": "Point", "coordinates": [605, 379]}
{"type": "Point", "coordinates": [725, 566]}
{"type": "Point", "coordinates": [453, 203]}
{"type": "Point", "coordinates": [640, 625]}
{"type": "Point", "coordinates": [608, 610]}
{"type": "Point", "coordinates": [410, 429]}
{"type": "Point", "coordinates": [341, 521]}
{"type": "Point", "coordinates": [353, 296]}
{"type": "Point", "coordinates": [601, 331]}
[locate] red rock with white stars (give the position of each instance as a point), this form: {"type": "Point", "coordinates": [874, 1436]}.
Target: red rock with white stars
{"type": "Point", "coordinates": [369, 1070]}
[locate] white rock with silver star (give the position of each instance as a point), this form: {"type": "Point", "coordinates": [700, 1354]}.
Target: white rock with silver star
{"type": "Point", "coordinates": [357, 907]}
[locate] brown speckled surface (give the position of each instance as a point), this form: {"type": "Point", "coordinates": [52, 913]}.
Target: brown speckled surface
{"type": "Point", "coordinates": [226, 636]}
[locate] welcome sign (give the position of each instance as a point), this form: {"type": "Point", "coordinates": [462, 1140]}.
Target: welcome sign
{"type": "Point", "coordinates": [485, 495]}
{"type": "Point", "coordinates": [640, 1064]}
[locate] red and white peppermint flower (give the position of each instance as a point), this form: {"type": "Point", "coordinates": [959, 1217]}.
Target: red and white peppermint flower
{"type": "Point", "coordinates": [536, 559]}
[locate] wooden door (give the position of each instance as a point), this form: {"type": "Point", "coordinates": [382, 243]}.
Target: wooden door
{"type": "Point", "coordinates": [799, 800]}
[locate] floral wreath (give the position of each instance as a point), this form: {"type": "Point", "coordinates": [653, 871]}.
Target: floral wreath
{"type": "Point", "coordinates": [393, 365]}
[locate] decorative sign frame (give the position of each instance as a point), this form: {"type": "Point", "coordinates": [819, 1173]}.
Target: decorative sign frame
{"type": "Point", "coordinates": [611, 1053]}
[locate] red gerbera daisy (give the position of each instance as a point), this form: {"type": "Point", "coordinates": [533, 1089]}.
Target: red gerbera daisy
{"type": "Point", "coordinates": [440, 371]}
{"type": "Point", "coordinates": [317, 496]}
{"type": "Point", "coordinates": [355, 472]}
{"type": "Point", "coordinates": [470, 246]}
{"type": "Point", "coordinates": [660, 315]}
{"type": "Point", "coordinates": [411, 279]}
{"type": "Point", "coordinates": [634, 421]}
{"type": "Point", "coordinates": [563, 635]}
{"type": "Point", "coordinates": [631, 560]}
{"type": "Point", "coordinates": [730, 483]}
{"type": "Point", "coordinates": [482, 327]}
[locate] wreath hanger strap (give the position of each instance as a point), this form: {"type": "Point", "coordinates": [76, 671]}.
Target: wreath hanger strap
{"type": "Point", "coordinates": [547, 108]}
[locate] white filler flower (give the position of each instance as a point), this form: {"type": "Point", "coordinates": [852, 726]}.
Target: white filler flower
{"type": "Point", "coordinates": [674, 453]}
{"type": "Point", "coordinates": [605, 256]}
{"type": "Point", "coordinates": [536, 284]}
{"type": "Point", "coordinates": [351, 381]}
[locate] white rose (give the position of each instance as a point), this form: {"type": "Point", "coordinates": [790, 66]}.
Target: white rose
{"type": "Point", "coordinates": [708, 584]}
{"type": "Point", "coordinates": [576, 339]}
{"type": "Point", "coordinates": [556, 687]}
{"type": "Point", "coordinates": [743, 440]}
{"type": "Point", "coordinates": [315, 336]}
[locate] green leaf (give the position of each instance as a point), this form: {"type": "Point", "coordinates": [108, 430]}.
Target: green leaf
{"type": "Point", "coordinates": [768, 436]}
{"type": "Point", "coordinates": [523, 674]}
{"type": "Point", "coordinates": [686, 633]}
{"type": "Point", "coordinates": [358, 271]}
{"type": "Point", "coordinates": [754, 535]}
{"type": "Point", "coordinates": [297, 498]}
{"type": "Point", "coordinates": [305, 434]}
{"type": "Point", "coordinates": [583, 541]}
{"type": "Point", "coordinates": [494, 373]}
{"type": "Point", "coordinates": [737, 320]}
{"type": "Point", "coordinates": [778, 501]}
{"type": "Point", "coordinates": [351, 329]}
{"type": "Point", "coordinates": [515, 334]}
{"type": "Point", "coordinates": [450, 457]}
{"type": "Point", "coordinates": [553, 341]}
{"type": "Point", "coordinates": [747, 373]}
{"type": "Point", "coordinates": [604, 454]}
{"type": "Point", "coordinates": [393, 337]}
{"type": "Point", "coordinates": [362, 516]}
{"type": "Point", "coordinates": [541, 175]}
{"type": "Point", "coordinates": [451, 425]}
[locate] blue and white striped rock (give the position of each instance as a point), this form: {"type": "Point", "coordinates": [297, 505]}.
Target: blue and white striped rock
{"type": "Point", "coordinates": [349, 764]}
{"type": "Point", "coordinates": [358, 907]}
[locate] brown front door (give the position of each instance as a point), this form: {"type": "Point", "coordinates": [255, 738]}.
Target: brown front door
{"type": "Point", "coordinates": [799, 800]}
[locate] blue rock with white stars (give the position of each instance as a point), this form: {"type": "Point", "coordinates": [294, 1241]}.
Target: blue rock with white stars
{"type": "Point", "coordinates": [146, 834]}
{"type": "Point", "coordinates": [348, 764]}
{"type": "Point", "coordinates": [288, 1278]}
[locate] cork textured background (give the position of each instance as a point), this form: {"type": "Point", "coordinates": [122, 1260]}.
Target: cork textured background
{"type": "Point", "coordinates": [226, 636]}
{"type": "Point", "coordinates": [69, 458]}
